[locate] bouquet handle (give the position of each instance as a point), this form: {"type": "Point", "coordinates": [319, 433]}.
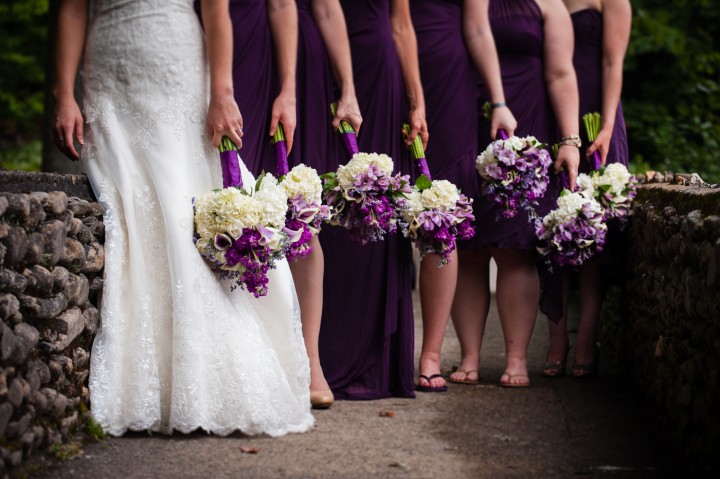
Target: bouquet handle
{"type": "Point", "coordinates": [280, 151]}
{"type": "Point", "coordinates": [418, 153]}
{"type": "Point", "coordinates": [502, 134]}
{"type": "Point", "coordinates": [347, 134]}
{"type": "Point", "coordinates": [230, 163]}
{"type": "Point", "coordinates": [596, 160]}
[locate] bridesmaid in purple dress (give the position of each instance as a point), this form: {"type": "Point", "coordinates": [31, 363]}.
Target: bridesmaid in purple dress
{"type": "Point", "coordinates": [366, 336]}
{"type": "Point", "coordinates": [534, 39]}
{"type": "Point", "coordinates": [320, 23]}
{"type": "Point", "coordinates": [264, 96]}
{"type": "Point", "coordinates": [454, 43]}
{"type": "Point", "coordinates": [602, 32]}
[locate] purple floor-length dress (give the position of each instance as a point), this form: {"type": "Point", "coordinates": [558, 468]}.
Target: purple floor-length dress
{"type": "Point", "coordinates": [587, 59]}
{"type": "Point", "coordinates": [253, 80]}
{"type": "Point", "coordinates": [366, 336]}
{"type": "Point", "coordinates": [517, 26]}
{"type": "Point", "coordinates": [450, 86]}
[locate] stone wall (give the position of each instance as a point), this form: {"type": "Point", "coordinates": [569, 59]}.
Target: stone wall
{"type": "Point", "coordinates": [51, 263]}
{"type": "Point", "coordinates": [672, 328]}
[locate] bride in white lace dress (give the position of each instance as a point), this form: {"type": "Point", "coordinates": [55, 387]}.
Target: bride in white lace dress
{"type": "Point", "coordinates": [177, 350]}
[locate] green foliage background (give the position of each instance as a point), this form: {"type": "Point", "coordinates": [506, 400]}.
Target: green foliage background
{"type": "Point", "coordinates": [23, 48]}
{"type": "Point", "coordinates": [671, 92]}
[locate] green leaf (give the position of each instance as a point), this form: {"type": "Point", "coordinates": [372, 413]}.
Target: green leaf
{"type": "Point", "coordinates": [423, 183]}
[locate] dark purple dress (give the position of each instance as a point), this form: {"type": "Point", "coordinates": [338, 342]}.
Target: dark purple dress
{"type": "Point", "coordinates": [450, 85]}
{"type": "Point", "coordinates": [367, 332]}
{"type": "Point", "coordinates": [517, 26]}
{"type": "Point", "coordinates": [587, 59]}
{"type": "Point", "coordinates": [253, 80]}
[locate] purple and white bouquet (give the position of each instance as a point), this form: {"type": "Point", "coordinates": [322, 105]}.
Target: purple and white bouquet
{"type": "Point", "coordinates": [436, 212]}
{"type": "Point", "coordinates": [303, 188]}
{"type": "Point", "coordinates": [239, 230]}
{"type": "Point", "coordinates": [363, 195]}
{"type": "Point", "coordinates": [614, 187]}
{"type": "Point", "coordinates": [574, 231]}
{"type": "Point", "coordinates": [515, 173]}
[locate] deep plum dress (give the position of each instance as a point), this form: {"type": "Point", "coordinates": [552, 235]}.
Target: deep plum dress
{"type": "Point", "coordinates": [366, 336]}
{"type": "Point", "coordinates": [517, 26]}
{"type": "Point", "coordinates": [587, 59]}
{"type": "Point", "coordinates": [254, 81]}
{"type": "Point", "coordinates": [450, 86]}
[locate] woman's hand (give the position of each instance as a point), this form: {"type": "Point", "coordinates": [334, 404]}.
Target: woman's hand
{"type": "Point", "coordinates": [418, 126]}
{"type": "Point", "coordinates": [601, 144]}
{"type": "Point", "coordinates": [348, 110]}
{"type": "Point", "coordinates": [568, 157]}
{"type": "Point", "coordinates": [68, 125]}
{"type": "Point", "coordinates": [283, 111]}
{"type": "Point", "coordinates": [503, 118]}
{"type": "Point", "coordinates": [224, 119]}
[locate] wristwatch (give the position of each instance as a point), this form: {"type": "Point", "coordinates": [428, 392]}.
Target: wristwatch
{"type": "Point", "coordinates": [571, 140]}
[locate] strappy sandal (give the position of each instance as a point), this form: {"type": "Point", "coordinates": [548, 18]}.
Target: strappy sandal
{"type": "Point", "coordinates": [429, 388]}
{"type": "Point", "coordinates": [556, 369]}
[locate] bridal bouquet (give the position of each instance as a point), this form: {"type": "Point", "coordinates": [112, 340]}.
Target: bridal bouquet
{"type": "Point", "coordinates": [515, 173]}
{"type": "Point", "coordinates": [303, 188]}
{"type": "Point", "coordinates": [239, 230]}
{"type": "Point", "coordinates": [574, 231]}
{"type": "Point", "coordinates": [613, 187]}
{"type": "Point", "coordinates": [363, 195]}
{"type": "Point", "coordinates": [437, 213]}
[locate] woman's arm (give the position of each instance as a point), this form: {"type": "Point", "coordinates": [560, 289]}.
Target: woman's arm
{"type": "Point", "coordinates": [224, 117]}
{"type": "Point", "coordinates": [481, 45]}
{"type": "Point", "coordinates": [72, 28]}
{"type": "Point", "coordinates": [330, 20]}
{"type": "Point", "coordinates": [617, 19]}
{"type": "Point", "coordinates": [406, 44]}
{"type": "Point", "coordinates": [282, 15]}
{"type": "Point", "coordinates": [561, 82]}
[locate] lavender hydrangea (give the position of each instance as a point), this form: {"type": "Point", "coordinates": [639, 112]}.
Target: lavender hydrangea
{"type": "Point", "coordinates": [515, 174]}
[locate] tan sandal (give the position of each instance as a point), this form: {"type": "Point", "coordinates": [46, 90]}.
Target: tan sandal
{"type": "Point", "coordinates": [466, 372]}
{"type": "Point", "coordinates": [508, 384]}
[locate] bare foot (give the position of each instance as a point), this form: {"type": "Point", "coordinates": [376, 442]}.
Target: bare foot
{"type": "Point", "coordinates": [465, 375]}
{"type": "Point", "coordinates": [516, 374]}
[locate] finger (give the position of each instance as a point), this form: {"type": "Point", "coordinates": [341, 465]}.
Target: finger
{"type": "Point", "coordinates": [358, 123]}
{"type": "Point", "coordinates": [235, 136]}
{"type": "Point", "coordinates": [557, 166]}
{"type": "Point", "coordinates": [573, 176]}
{"type": "Point", "coordinates": [591, 149]}
{"type": "Point", "coordinates": [335, 122]}
{"type": "Point", "coordinates": [79, 131]}
{"type": "Point", "coordinates": [414, 130]}
{"type": "Point", "coordinates": [69, 144]}
{"type": "Point", "coordinates": [603, 155]}
{"type": "Point", "coordinates": [289, 135]}
{"type": "Point", "coordinates": [424, 137]}
{"type": "Point", "coordinates": [216, 137]}
{"type": "Point", "coordinates": [493, 131]}
{"type": "Point", "coordinates": [274, 123]}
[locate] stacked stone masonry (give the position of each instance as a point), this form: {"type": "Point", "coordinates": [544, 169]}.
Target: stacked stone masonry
{"type": "Point", "coordinates": [673, 323]}
{"type": "Point", "coordinates": [51, 264]}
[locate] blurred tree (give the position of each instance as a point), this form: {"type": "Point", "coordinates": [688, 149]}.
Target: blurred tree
{"type": "Point", "coordinates": [671, 92]}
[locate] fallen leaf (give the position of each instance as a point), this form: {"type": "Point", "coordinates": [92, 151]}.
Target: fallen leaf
{"type": "Point", "coordinates": [249, 450]}
{"type": "Point", "coordinates": [387, 414]}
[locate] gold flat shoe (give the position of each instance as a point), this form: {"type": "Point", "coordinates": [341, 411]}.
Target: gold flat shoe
{"type": "Point", "coordinates": [321, 399]}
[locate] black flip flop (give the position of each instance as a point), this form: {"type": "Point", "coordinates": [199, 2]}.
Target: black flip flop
{"type": "Point", "coordinates": [430, 389]}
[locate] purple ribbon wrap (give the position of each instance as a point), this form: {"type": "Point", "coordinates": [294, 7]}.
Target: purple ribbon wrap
{"type": "Point", "coordinates": [230, 162]}
{"type": "Point", "coordinates": [596, 160]}
{"type": "Point", "coordinates": [502, 134]}
{"type": "Point", "coordinates": [350, 141]}
{"type": "Point", "coordinates": [423, 167]}
{"type": "Point", "coordinates": [281, 161]}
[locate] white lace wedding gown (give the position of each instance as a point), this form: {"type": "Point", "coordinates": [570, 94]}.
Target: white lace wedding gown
{"type": "Point", "coordinates": [177, 350]}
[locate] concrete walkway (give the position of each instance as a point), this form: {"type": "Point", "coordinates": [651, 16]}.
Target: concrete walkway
{"type": "Point", "coordinates": [556, 429]}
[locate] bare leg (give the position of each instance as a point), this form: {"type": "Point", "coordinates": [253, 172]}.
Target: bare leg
{"type": "Point", "coordinates": [592, 292]}
{"type": "Point", "coordinates": [437, 288]}
{"type": "Point", "coordinates": [557, 335]}
{"type": "Point", "coordinates": [518, 294]}
{"type": "Point", "coordinates": [308, 276]}
{"type": "Point", "coordinates": [470, 308]}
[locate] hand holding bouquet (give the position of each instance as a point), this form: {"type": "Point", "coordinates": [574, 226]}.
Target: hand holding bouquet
{"type": "Point", "coordinates": [239, 230]}
{"type": "Point", "coordinates": [364, 196]}
{"type": "Point", "coordinates": [303, 188]}
{"type": "Point", "coordinates": [437, 213]}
